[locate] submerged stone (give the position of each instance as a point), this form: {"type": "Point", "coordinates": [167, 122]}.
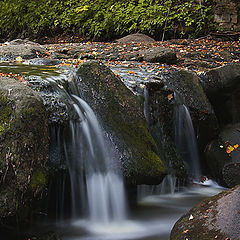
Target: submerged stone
{"type": "Point", "coordinates": [23, 148]}
{"type": "Point", "coordinates": [121, 116]}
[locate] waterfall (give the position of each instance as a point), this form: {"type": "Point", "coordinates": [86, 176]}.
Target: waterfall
{"type": "Point", "coordinates": [186, 142]}
{"type": "Point", "coordinates": [97, 190]}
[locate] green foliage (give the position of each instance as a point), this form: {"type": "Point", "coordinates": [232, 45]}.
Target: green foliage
{"type": "Point", "coordinates": [107, 18]}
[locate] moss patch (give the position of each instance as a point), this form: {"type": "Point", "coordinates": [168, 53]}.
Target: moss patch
{"type": "Point", "coordinates": [5, 114]}
{"type": "Point", "coordinates": [39, 179]}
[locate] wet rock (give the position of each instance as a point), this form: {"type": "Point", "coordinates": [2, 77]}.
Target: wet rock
{"type": "Point", "coordinates": [159, 112]}
{"type": "Point", "coordinates": [222, 87]}
{"type": "Point", "coordinates": [121, 116]}
{"type": "Point", "coordinates": [175, 88]}
{"type": "Point", "coordinates": [56, 99]}
{"type": "Point", "coordinates": [46, 236]}
{"type": "Point", "coordinates": [214, 218]}
{"type": "Point", "coordinates": [231, 174]}
{"type": "Point", "coordinates": [137, 37]}
{"type": "Point", "coordinates": [23, 148]}
{"type": "Point", "coordinates": [223, 156]}
{"type": "Point", "coordinates": [158, 55]}
{"type": "Point", "coordinates": [43, 61]}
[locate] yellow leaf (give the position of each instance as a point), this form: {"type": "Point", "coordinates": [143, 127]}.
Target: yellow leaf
{"type": "Point", "coordinates": [19, 59]}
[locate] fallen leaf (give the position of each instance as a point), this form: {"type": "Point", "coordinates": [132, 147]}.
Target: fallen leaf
{"type": "Point", "coordinates": [170, 96]}
{"type": "Point", "coordinates": [185, 231]}
{"type": "Point", "coordinates": [191, 217]}
{"type": "Point", "coordinates": [19, 59]}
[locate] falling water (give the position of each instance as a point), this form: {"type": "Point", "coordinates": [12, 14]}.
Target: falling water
{"type": "Point", "coordinates": [185, 140]}
{"type": "Point", "coordinates": [97, 191]}
{"type": "Point", "coordinates": [167, 186]}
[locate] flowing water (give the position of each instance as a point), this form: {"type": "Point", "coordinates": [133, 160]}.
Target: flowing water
{"type": "Point", "coordinates": [186, 142]}
{"type": "Point", "coordinates": [102, 197]}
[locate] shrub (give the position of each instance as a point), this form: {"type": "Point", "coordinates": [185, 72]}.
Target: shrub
{"type": "Point", "coordinates": [107, 19]}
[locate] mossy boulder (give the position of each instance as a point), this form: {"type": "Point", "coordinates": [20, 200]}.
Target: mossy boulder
{"type": "Point", "coordinates": [121, 115]}
{"type": "Point", "coordinates": [214, 218]}
{"type": "Point", "coordinates": [223, 156]}
{"type": "Point", "coordinates": [23, 147]}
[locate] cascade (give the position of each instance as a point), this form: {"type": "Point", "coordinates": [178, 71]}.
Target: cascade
{"type": "Point", "coordinates": [167, 186]}
{"type": "Point", "coordinates": [186, 142]}
{"type": "Point", "coordinates": [97, 191]}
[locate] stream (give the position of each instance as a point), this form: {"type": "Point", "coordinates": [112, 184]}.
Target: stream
{"type": "Point", "coordinates": [154, 214]}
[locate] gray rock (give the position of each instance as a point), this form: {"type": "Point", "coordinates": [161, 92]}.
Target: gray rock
{"type": "Point", "coordinates": [214, 218]}
{"type": "Point", "coordinates": [137, 37]}
{"type": "Point", "coordinates": [158, 55]}
{"type": "Point", "coordinates": [20, 41]}
{"type": "Point", "coordinates": [23, 148]}
{"type": "Point", "coordinates": [26, 51]}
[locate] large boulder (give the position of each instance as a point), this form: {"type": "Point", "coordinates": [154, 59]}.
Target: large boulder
{"type": "Point", "coordinates": [173, 89]}
{"type": "Point", "coordinates": [23, 148]}
{"type": "Point", "coordinates": [121, 116]}
{"type": "Point", "coordinates": [214, 218]}
{"type": "Point", "coordinates": [222, 86]}
{"type": "Point", "coordinates": [223, 156]}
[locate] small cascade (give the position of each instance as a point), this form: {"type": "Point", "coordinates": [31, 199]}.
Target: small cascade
{"type": "Point", "coordinates": [168, 186]}
{"type": "Point", "coordinates": [146, 107]}
{"type": "Point", "coordinates": [97, 191]}
{"type": "Point", "coordinates": [186, 142]}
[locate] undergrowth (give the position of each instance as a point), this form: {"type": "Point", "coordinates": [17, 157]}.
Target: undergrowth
{"type": "Point", "coordinates": [107, 19]}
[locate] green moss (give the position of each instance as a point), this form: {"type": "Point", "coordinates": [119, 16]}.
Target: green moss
{"type": "Point", "coordinates": [5, 114]}
{"type": "Point", "coordinates": [121, 114]}
{"type": "Point", "coordinates": [39, 179]}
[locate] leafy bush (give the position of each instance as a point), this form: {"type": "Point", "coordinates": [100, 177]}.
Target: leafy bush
{"type": "Point", "coordinates": [107, 19]}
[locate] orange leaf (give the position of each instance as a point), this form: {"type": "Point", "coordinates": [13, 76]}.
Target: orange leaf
{"type": "Point", "coordinates": [170, 96]}
{"type": "Point", "coordinates": [185, 231]}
